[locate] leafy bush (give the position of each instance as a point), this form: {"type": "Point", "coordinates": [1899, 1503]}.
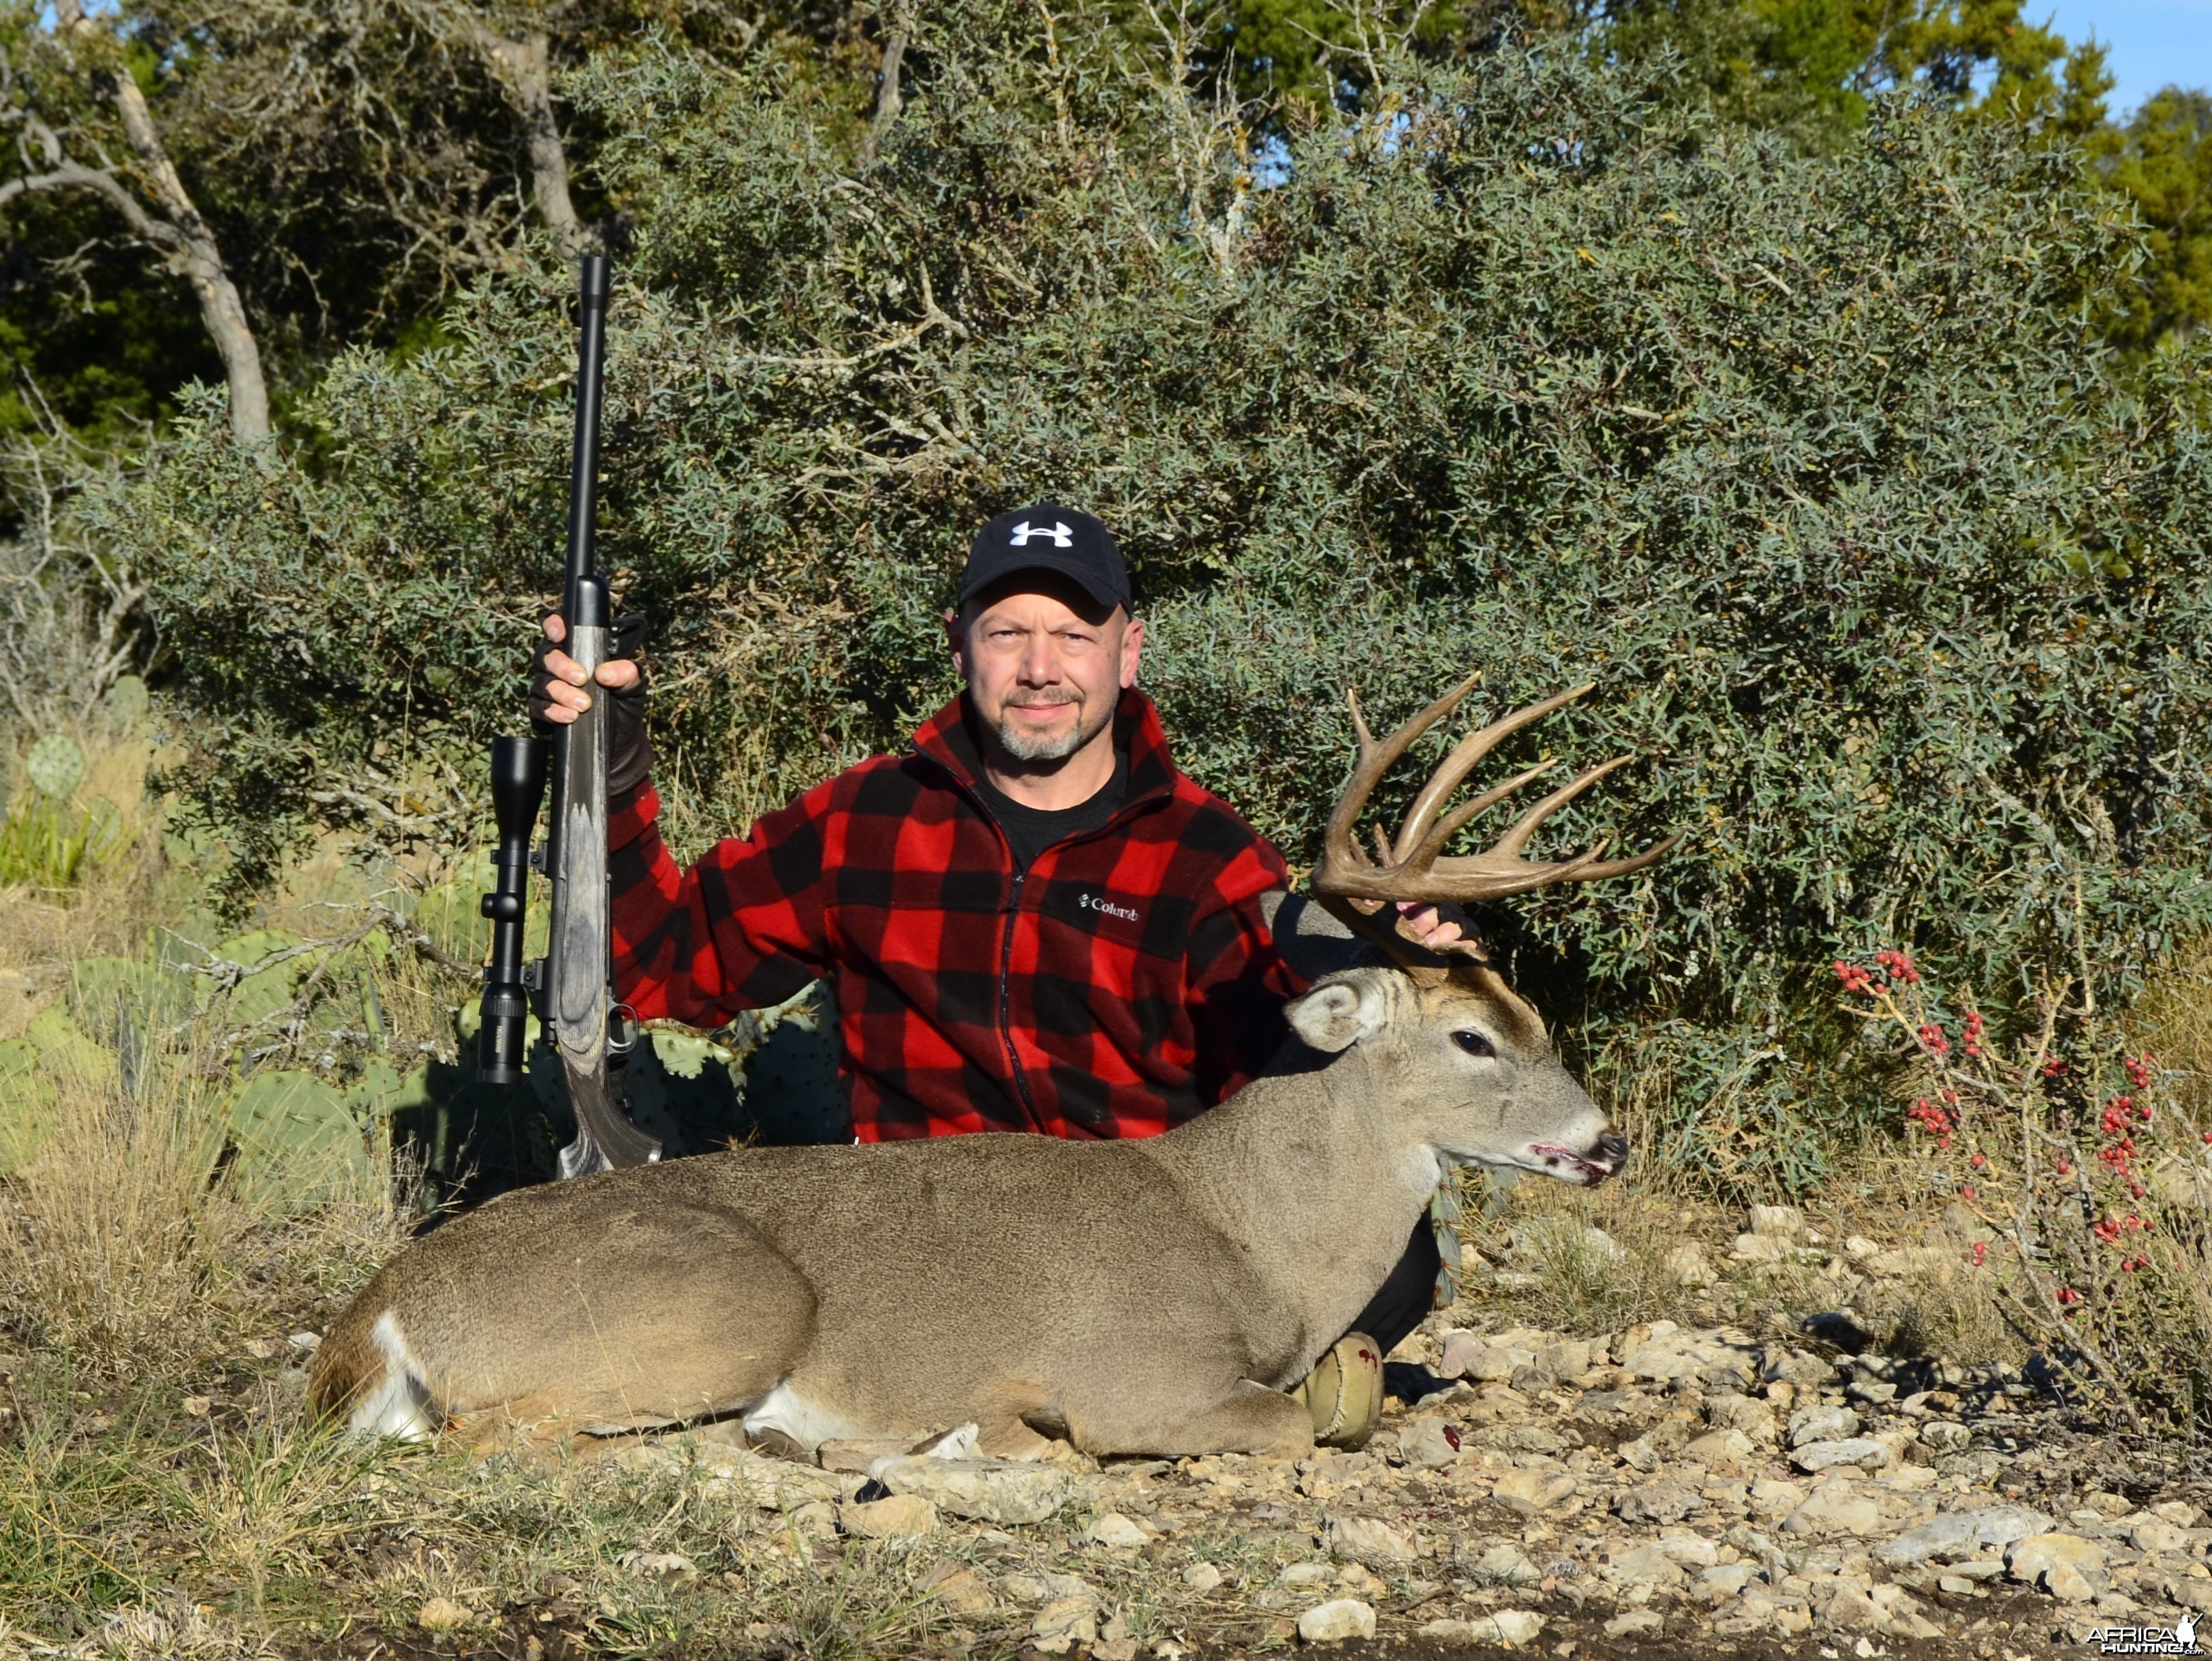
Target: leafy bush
{"type": "Point", "coordinates": [1807, 461]}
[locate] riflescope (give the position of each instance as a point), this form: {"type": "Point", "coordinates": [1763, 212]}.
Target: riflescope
{"type": "Point", "coordinates": [518, 785]}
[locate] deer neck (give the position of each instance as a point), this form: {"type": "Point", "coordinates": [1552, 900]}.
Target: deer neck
{"type": "Point", "coordinates": [1314, 1175]}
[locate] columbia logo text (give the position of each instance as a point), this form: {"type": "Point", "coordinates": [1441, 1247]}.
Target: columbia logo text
{"type": "Point", "coordinates": [1100, 903]}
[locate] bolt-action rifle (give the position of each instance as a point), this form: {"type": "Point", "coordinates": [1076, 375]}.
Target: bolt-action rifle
{"type": "Point", "coordinates": [573, 994]}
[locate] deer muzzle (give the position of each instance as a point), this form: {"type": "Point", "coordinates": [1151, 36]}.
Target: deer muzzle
{"type": "Point", "coordinates": [1604, 1158]}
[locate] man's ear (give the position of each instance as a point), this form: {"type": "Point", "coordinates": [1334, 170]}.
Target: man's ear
{"type": "Point", "coordinates": [955, 636]}
{"type": "Point", "coordinates": [1338, 1013]}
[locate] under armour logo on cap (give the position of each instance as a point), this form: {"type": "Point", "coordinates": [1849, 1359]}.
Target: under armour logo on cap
{"type": "Point", "coordinates": [1046, 536]}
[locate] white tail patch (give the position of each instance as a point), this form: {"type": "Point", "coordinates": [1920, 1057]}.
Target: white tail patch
{"type": "Point", "coordinates": [784, 1411]}
{"type": "Point", "coordinates": [400, 1404]}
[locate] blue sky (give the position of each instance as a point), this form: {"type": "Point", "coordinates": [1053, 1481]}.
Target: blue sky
{"type": "Point", "coordinates": [2151, 43]}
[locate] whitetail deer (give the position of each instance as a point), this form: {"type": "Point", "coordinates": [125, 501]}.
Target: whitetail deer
{"type": "Point", "coordinates": [1154, 1297]}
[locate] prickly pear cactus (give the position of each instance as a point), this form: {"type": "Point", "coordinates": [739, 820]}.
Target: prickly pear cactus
{"type": "Point", "coordinates": [129, 701]}
{"type": "Point", "coordinates": [299, 1145]}
{"type": "Point", "coordinates": [56, 766]}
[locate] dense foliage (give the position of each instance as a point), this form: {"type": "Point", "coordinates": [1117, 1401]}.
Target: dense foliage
{"type": "Point", "coordinates": [1805, 460]}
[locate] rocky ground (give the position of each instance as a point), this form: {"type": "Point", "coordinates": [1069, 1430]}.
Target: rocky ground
{"type": "Point", "coordinates": [1576, 1496]}
{"type": "Point", "coordinates": [1698, 1489]}
{"type": "Point", "coordinates": [1774, 1487]}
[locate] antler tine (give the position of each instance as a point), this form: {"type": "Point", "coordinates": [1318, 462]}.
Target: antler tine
{"type": "Point", "coordinates": [1340, 850]}
{"type": "Point", "coordinates": [1414, 867]}
{"type": "Point", "coordinates": [1516, 838]}
{"type": "Point", "coordinates": [1489, 878]}
{"type": "Point", "coordinates": [1425, 857]}
{"type": "Point", "coordinates": [1462, 761]}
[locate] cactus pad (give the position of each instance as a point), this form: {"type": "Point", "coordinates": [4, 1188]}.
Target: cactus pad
{"type": "Point", "coordinates": [56, 766]}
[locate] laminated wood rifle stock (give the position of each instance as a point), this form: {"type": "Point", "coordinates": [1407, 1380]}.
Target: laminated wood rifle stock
{"type": "Point", "coordinates": [574, 1002]}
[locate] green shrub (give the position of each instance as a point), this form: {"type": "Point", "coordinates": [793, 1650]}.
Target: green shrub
{"type": "Point", "coordinates": [1807, 461]}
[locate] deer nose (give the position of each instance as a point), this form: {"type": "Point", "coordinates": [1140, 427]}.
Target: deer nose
{"type": "Point", "coordinates": [1611, 1151]}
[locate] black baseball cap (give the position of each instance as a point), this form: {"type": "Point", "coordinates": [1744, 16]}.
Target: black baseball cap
{"type": "Point", "coordinates": [1048, 538]}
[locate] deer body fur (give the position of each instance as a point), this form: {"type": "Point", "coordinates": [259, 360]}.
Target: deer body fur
{"type": "Point", "coordinates": [1152, 1297]}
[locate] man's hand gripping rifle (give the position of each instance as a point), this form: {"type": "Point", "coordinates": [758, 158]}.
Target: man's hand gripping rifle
{"type": "Point", "coordinates": [574, 996]}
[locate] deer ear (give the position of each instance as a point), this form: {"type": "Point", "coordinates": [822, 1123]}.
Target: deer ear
{"type": "Point", "coordinates": [1337, 1014]}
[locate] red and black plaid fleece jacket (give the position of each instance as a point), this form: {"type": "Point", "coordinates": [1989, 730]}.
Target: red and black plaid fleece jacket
{"type": "Point", "coordinates": [1124, 982]}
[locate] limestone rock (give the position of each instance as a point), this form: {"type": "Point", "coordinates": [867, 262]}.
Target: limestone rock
{"type": "Point", "coordinates": [1532, 1490]}
{"type": "Point", "coordinates": [1822, 1424]}
{"type": "Point", "coordinates": [1063, 1623]}
{"type": "Point", "coordinates": [739, 1473]}
{"type": "Point", "coordinates": [1754, 1418]}
{"type": "Point", "coordinates": [1834, 1508]}
{"type": "Point", "coordinates": [1635, 1624]}
{"type": "Point", "coordinates": [1763, 1249]}
{"type": "Point", "coordinates": [1774, 1499]}
{"type": "Point", "coordinates": [1202, 1577]}
{"type": "Point", "coordinates": [959, 1590]}
{"type": "Point", "coordinates": [1644, 1566]}
{"type": "Point", "coordinates": [1511, 1628]}
{"type": "Point", "coordinates": [1723, 1581]}
{"type": "Point", "coordinates": [1945, 1436]}
{"type": "Point", "coordinates": [901, 1517]}
{"type": "Point", "coordinates": [1114, 1529]}
{"type": "Point", "coordinates": [1796, 1366]}
{"type": "Point", "coordinates": [1780, 1221]}
{"type": "Point", "coordinates": [1336, 1622]}
{"type": "Point", "coordinates": [1962, 1533]}
{"type": "Point", "coordinates": [2065, 1565]}
{"type": "Point", "coordinates": [1365, 1540]}
{"type": "Point", "coordinates": [1720, 1447]}
{"type": "Point", "coordinates": [659, 1565]}
{"type": "Point", "coordinates": [1687, 1266]}
{"type": "Point", "coordinates": [1854, 1611]}
{"type": "Point", "coordinates": [2154, 1534]}
{"type": "Point", "coordinates": [1656, 1502]}
{"type": "Point", "coordinates": [1862, 1452]}
{"type": "Point", "coordinates": [1500, 1564]}
{"type": "Point", "coordinates": [988, 1490]}
{"type": "Point", "coordinates": [1429, 1444]}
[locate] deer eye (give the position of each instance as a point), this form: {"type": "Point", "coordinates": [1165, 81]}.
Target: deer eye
{"type": "Point", "coordinates": [1474, 1044]}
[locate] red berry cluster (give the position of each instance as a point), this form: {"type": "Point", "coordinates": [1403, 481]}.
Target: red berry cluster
{"type": "Point", "coordinates": [1897, 966]}
{"type": "Point", "coordinates": [2138, 1071]}
{"type": "Point", "coordinates": [1932, 1039]}
{"type": "Point", "coordinates": [1971, 1042]}
{"type": "Point", "coordinates": [1932, 1118]}
{"type": "Point", "coordinates": [1856, 980]}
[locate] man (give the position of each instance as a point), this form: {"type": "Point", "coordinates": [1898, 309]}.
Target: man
{"type": "Point", "coordinates": [1033, 920]}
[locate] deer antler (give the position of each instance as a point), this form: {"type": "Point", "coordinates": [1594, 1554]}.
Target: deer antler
{"type": "Point", "coordinates": [1413, 865]}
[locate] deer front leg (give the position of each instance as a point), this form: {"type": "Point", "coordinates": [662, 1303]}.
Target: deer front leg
{"type": "Point", "coordinates": [1252, 1419]}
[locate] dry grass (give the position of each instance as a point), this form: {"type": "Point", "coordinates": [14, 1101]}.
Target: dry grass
{"type": "Point", "coordinates": [119, 1249]}
{"type": "Point", "coordinates": [1552, 1271]}
{"type": "Point", "coordinates": [2175, 1017]}
{"type": "Point", "coordinates": [1584, 1260]}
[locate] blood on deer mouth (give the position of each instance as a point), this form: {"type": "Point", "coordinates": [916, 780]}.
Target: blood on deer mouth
{"type": "Point", "coordinates": [1585, 1171]}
